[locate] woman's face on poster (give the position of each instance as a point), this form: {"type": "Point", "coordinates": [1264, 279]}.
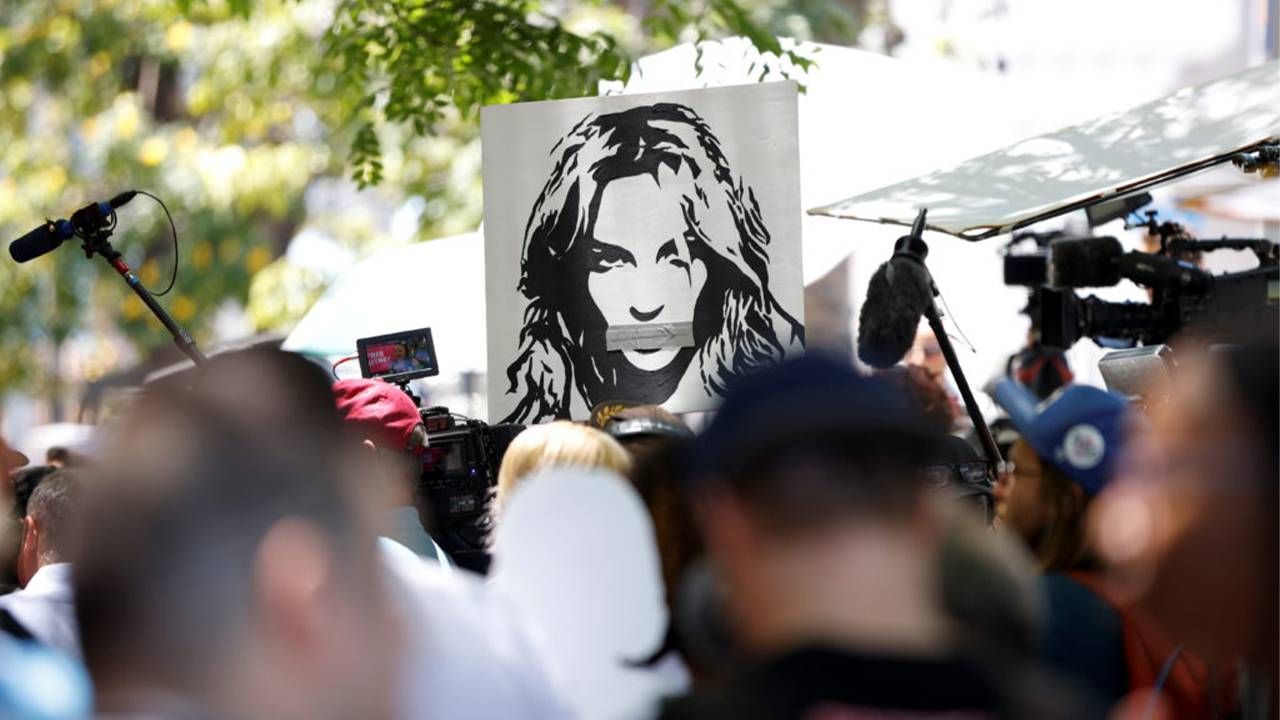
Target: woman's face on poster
{"type": "Point", "coordinates": [641, 270]}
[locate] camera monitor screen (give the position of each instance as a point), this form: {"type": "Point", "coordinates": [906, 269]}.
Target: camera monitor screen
{"type": "Point", "coordinates": [401, 356]}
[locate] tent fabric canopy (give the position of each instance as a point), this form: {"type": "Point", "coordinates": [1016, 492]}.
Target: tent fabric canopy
{"type": "Point", "coordinates": [1116, 154]}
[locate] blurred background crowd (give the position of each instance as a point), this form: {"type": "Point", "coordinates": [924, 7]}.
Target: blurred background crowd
{"type": "Point", "coordinates": [254, 537]}
{"type": "Point", "coordinates": [247, 544]}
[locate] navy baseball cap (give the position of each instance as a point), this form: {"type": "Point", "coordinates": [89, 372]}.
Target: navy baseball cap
{"type": "Point", "coordinates": [1079, 429]}
{"type": "Point", "coordinates": [813, 395]}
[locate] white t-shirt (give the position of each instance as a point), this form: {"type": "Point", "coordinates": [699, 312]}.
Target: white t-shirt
{"type": "Point", "coordinates": [468, 654]}
{"type": "Point", "coordinates": [591, 579]}
{"type": "Point", "coordinates": [46, 608]}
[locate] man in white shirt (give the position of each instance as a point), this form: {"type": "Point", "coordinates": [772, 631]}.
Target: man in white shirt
{"type": "Point", "coordinates": [44, 607]}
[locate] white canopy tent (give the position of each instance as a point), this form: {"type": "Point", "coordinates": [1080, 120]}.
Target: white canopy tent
{"type": "Point", "coordinates": [1116, 154]}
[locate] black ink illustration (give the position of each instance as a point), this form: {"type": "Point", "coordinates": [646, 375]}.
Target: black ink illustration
{"type": "Point", "coordinates": [645, 270]}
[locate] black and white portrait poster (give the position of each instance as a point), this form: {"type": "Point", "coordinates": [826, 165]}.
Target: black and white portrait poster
{"type": "Point", "coordinates": [639, 248]}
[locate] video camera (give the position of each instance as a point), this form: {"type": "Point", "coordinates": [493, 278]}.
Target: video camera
{"type": "Point", "coordinates": [1223, 307]}
{"type": "Point", "coordinates": [461, 461]}
{"type": "Point", "coordinates": [459, 475]}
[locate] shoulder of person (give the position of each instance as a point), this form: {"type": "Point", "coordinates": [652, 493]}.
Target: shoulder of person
{"type": "Point", "coordinates": [461, 633]}
{"type": "Point", "coordinates": [1066, 596]}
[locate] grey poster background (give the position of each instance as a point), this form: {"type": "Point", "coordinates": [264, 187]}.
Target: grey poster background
{"type": "Point", "coordinates": [640, 282]}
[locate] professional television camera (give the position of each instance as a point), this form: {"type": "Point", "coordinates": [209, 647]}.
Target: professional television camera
{"type": "Point", "coordinates": [460, 463]}
{"type": "Point", "coordinates": [1221, 307]}
{"type": "Point", "coordinates": [459, 474]}
{"type": "Point", "coordinates": [1030, 268]}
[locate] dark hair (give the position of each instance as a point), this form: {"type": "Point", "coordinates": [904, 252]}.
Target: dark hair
{"type": "Point", "coordinates": [737, 322]}
{"type": "Point", "coordinates": [658, 475]}
{"type": "Point", "coordinates": [58, 454]}
{"type": "Point", "coordinates": [25, 482]}
{"type": "Point", "coordinates": [815, 481]}
{"type": "Point", "coordinates": [53, 506]}
{"type": "Point", "coordinates": [926, 393]}
{"type": "Point", "coordinates": [1062, 543]}
{"type": "Point", "coordinates": [174, 514]}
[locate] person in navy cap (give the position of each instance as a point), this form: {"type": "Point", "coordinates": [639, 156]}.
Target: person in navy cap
{"type": "Point", "coordinates": [1069, 451]}
{"type": "Point", "coordinates": [824, 534]}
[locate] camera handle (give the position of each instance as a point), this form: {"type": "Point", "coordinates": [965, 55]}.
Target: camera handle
{"type": "Point", "coordinates": [97, 242]}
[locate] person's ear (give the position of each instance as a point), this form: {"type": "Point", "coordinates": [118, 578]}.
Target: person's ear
{"type": "Point", "coordinates": [29, 551]}
{"type": "Point", "coordinates": [292, 572]}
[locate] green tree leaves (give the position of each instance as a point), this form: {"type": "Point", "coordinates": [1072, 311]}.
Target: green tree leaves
{"type": "Point", "coordinates": [231, 109]}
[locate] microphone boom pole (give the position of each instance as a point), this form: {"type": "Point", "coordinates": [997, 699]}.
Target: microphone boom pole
{"type": "Point", "coordinates": [181, 337]}
{"type": "Point", "coordinates": [97, 241]}
{"type": "Point", "coordinates": [917, 250]}
{"type": "Point", "coordinates": [93, 224]}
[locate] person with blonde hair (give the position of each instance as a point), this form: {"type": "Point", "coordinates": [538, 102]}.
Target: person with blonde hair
{"type": "Point", "coordinates": [559, 444]}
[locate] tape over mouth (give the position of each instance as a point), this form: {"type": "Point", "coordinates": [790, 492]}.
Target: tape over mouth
{"type": "Point", "coordinates": [649, 336]}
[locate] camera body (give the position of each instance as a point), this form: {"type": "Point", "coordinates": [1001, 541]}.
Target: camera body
{"type": "Point", "coordinates": [1220, 307]}
{"type": "Point", "coordinates": [1229, 307]}
{"type": "Point", "coordinates": [456, 486]}
{"type": "Point", "coordinates": [461, 461]}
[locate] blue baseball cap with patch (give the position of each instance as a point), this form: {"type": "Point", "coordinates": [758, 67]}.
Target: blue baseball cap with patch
{"type": "Point", "coordinates": [1079, 429]}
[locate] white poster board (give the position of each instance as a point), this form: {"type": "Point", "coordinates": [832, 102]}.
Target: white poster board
{"type": "Point", "coordinates": [639, 248]}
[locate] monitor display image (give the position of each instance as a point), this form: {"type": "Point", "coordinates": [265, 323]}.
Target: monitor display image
{"type": "Point", "coordinates": [398, 357]}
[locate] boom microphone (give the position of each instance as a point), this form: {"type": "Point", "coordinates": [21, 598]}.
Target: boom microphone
{"type": "Point", "coordinates": [897, 296]}
{"type": "Point", "coordinates": [43, 239]}
{"type": "Point", "coordinates": [47, 237]}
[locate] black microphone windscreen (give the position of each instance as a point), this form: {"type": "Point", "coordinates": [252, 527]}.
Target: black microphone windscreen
{"type": "Point", "coordinates": [43, 239]}
{"type": "Point", "coordinates": [1085, 262]}
{"type": "Point", "coordinates": [898, 294]}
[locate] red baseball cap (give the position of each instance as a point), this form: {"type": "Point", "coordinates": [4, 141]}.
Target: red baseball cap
{"type": "Point", "coordinates": [377, 410]}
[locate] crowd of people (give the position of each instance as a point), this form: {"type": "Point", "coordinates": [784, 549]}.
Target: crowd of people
{"type": "Point", "coordinates": [251, 543]}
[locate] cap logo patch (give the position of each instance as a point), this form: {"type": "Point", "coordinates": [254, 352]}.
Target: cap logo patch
{"type": "Point", "coordinates": [1083, 446]}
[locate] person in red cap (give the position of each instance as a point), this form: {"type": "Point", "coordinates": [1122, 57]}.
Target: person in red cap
{"type": "Point", "coordinates": [388, 423]}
